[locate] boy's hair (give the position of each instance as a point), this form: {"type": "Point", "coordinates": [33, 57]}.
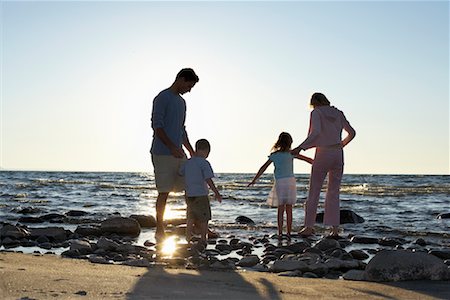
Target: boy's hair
{"type": "Point", "coordinates": [284, 142]}
{"type": "Point", "coordinates": [319, 99]}
{"type": "Point", "coordinates": [202, 144]}
{"type": "Point", "coordinates": [188, 74]}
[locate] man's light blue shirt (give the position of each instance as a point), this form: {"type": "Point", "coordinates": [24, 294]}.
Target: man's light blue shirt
{"type": "Point", "coordinates": [169, 113]}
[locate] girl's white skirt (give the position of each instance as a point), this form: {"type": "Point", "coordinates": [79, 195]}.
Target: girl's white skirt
{"type": "Point", "coordinates": [284, 191]}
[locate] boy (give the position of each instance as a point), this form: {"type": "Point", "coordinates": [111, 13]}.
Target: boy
{"type": "Point", "coordinates": [198, 176]}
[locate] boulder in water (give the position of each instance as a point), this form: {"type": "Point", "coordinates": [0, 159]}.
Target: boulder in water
{"type": "Point", "coordinates": [443, 216]}
{"type": "Point", "coordinates": [346, 216]}
{"type": "Point", "coordinates": [244, 220]}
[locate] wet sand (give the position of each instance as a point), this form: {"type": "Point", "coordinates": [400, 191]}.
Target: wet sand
{"type": "Point", "coordinates": [28, 276]}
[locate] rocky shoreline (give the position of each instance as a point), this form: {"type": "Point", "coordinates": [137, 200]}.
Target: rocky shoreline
{"type": "Point", "coordinates": [112, 242]}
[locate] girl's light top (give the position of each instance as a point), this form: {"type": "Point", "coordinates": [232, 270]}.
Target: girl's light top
{"type": "Point", "coordinates": [284, 164]}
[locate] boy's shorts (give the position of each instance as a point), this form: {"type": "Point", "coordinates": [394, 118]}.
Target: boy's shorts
{"type": "Point", "coordinates": [167, 177]}
{"type": "Point", "coordinates": [198, 208]}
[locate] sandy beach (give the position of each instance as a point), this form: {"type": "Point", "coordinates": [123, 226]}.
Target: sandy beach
{"type": "Point", "coordinates": [28, 276]}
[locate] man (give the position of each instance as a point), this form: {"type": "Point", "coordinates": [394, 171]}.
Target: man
{"type": "Point", "coordinates": [169, 134]}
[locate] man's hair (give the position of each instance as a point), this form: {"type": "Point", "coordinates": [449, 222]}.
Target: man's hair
{"type": "Point", "coordinates": [188, 74]}
{"type": "Point", "coordinates": [202, 144]}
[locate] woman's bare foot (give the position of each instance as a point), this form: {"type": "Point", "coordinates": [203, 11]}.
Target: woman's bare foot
{"type": "Point", "coordinates": [334, 231]}
{"type": "Point", "coordinates": [306, 231]}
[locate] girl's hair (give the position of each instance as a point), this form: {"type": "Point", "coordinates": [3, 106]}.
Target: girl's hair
{"type": "Point", "coordinates": [284, 142]}
{"type": "Point", "coordinates": [319, 99]}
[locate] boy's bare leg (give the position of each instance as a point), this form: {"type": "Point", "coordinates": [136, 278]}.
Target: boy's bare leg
{"type": "Point", "coordinates": [189, 229]}
{"type": "Point", "coordinates": [203, 229]}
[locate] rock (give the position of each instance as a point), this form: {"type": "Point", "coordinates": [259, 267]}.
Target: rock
{"type": "Point", "coordinates": [53, 217]}
{"type": "Point", "coordinates": [76, 213]}
{"type": "Point", "coordinates": [296, 247]}
{"type": "Point", "coordinates": [56, 234]}
{"type": "Point", "coordinates": [30, 220]}
{"type": "Point", "coordinates": [83, 246]}
{"type": "Point", "coordinates": [359, 254]}
{"type": "Point", "coordinates": [248, 261]}
{"type": "Point", "coordinates": [244, 220]}
{"type": "Point", "coordinates": [223, 247]}
{"type": "Point", "coordinates": [28, 210]}
{"type": "Point", "coordinates": [121, 225]}
{"type": "Point", "coordinates": [346, 217]}
{"type": "Point", "coordinates": [137, 263]}
{"type": "Point", "coordinates": [443, 216]}
{"type": "Point", "coordinates": [145, 221]}
{"type": "Point", "coordinates": [401, 265]}
{"type": "Point", "coordinates": [81, 293]}
{"type": "Point", "coordinates": [88, 231]}
{"type": "Point", "coordinates": [14, 232]}
{"type": "Point", "coordinates": [71, 253]}
{"type": "Point", "coordinates": [356, 275]}
{"type": "Point", "coordinates": [390, 242]}
{"type": "Point", "coordinates": [107, 244]}
{"type": "Point", "coordinates": [442, 254]}
{"type": "Point", "coordinates": [340, 264]}
{"type": "Point", "coordinates": [296, 273]}
{"type": "Point", "coordinates": [10, 242]}
{"type": "Point", "coordinates": [421, 242]}
{"type": "Point", "coordinates": [363, 240]}
{"type": "Point", "coordinates": [42, 239]}
{"type": "Point", "coordinates": [310, 275]}
{"type": "Point", "coordinates": [327, 244]}
{"type": "Point", "coordinates": [98, 260]}
{"type": "Point", "coordinates": [287, 265]}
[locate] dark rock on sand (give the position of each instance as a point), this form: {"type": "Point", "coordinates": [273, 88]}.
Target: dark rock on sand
{"type": "Point", "coordinates": [401, 265]}
{"type": "Point", "coordinates": [244, 220]}
{"type": "Point", "coordinates": [346, 217]}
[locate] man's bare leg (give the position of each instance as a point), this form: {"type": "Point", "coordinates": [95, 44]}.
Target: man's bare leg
{"type": "Point", "coordinates": [160, 208]}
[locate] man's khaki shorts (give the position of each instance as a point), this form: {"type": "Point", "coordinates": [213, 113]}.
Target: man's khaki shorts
{"type": "Point", "coordinates": [167, 177]}
{"type": "Point", "coordinates": [198, 208]}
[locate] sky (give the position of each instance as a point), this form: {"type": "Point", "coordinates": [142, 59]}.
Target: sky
{"type": "Point", "coordinates": [78, 80]}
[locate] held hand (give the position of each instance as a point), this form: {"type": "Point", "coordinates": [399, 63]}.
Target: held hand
{"type": "Point", "coordinates": [295, 151]}
{"type": "Point", "coordinates": [177, 152]}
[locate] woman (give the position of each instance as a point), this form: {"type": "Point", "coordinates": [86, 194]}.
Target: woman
{"type": "Point", "coordinates": [325, 130]}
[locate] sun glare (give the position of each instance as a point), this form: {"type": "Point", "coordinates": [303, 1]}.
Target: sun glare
{"type": "Point", "coordinates": [169, 246]}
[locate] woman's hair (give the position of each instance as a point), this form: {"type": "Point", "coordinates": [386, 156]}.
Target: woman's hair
{"type": "Point", "coordinates": [319, 99]}
{"type": "Point", "coordinates": [284, 142]}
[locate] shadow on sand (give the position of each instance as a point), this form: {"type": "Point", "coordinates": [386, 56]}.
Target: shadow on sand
{"type": "Point", "coordinates": [166, 283]}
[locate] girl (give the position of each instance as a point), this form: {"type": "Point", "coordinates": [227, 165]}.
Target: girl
{"type": "Point", "coordinates": [284, 191]}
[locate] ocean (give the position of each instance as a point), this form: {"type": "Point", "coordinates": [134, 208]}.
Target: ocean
{"type": "Point", "coordinates": [401, 206]}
